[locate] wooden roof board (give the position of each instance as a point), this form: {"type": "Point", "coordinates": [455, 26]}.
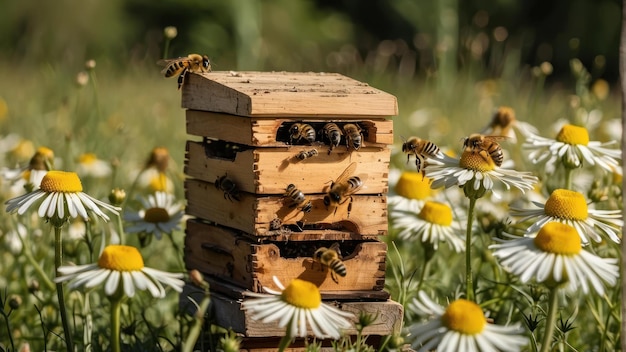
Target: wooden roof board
{"type": "Point", "coordinates": [297, 94]}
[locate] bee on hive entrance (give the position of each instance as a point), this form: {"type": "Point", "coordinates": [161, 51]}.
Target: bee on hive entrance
{"type": "Point", "coordinates": [354, 136]}
{"type": "Point", "coordinates": [486, 146]}
{"type": "Point", "coordinates": [299, 131]}
{"type": "Point", "coordinates": [333, 133]}
{"type": "Point", "coordinates": [342, 189]}
{"type": "Point", "coordinates": [331, 258]}
{"type": "Point", "coordinates": [229, 187]}
{"type": "Point", "coordinates": [182, 65]}
{"type": "Point", "coordinates": [422, 149]}
{"type": "Point", "coordinates": [306, 154]}
{"type": "Point", "coordinates": [298, 199]}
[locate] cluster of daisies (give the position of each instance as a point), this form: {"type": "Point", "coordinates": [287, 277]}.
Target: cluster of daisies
{"type": "Point", "coordinates": [42, 192]}
{"type": "Point", "coordinates": [545, 230]}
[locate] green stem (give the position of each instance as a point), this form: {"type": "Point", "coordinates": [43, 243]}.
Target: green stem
{"type": "Point", "coordinates": [194, 332]}
{"type": "Point", "coordinates": [29, 256]}
{"type": "Point", "coordinates": [568, 178]}
{"type": "Point", "coordinates": [425, 269]}
{"type": "Point", "coordinates": [550, 319]}
{"type": "Point", "coordinates": [120, 229]}
{"type": "Point", "coordinates": [469, 280]}
{"type": "Point", "coordinates": [58, 260]}
{"type": "Point", "coordinates": [286, 340]}
{"type": "Point", "coordinates": [116, 305]}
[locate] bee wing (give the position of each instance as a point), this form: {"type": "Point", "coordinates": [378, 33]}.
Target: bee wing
{"type": "Point", "coordinates": [496, 138]}
{"type": "Point", "coordinates": [346, 173]}
{"type": "Point", "coordinates": [336, 248]}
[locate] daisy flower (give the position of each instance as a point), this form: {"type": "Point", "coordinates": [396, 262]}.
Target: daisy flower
{"type": "Point", "coordinates": [555, 256]}
{"type": "Point", "coordinates": [121, 269]}
{"type": "Point", "coordinates": [60, 197]}
{"type": "Point", "coordinates": [573, 148]}
{"type": "Point", "coordinates": [476, 173]}
{"type": "Point", "coordinates": [504, 123]}
{"type": "Point", "coordinates": [90, 165]}
{"type": "Point", "coordinates": [153, 180]}
{"type": "Point", "coordinates": [161, 214]}
{"type": "Point", "coordinates": [411, 191]}
{"type": "Point", "coordinates": [433, 223]}
{"type": "Point", "coordinates": [298, 306]}
{"type": "Point", "coordinates": [461, 326]}
{"type": "Point", "coordinates": [570, 207]}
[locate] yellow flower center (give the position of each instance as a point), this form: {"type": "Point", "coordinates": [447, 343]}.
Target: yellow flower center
{"type": "Point", "coordinates": [302, 294]}
{"type": "Point", "coordinates": [566, 204]}
{"type": "Point", "coordinates": [23, 150]}
{"type": "Point", "coordinates": [436, 213]}
{"type": "Point", "coordinates": [571, 134]}
{"type": "Point", "coordinates": [159, 183]}
{"type": "Point", "coordinates": [558, 238]}
{"type": "Point", "coordinates": [121, 258]}
{"type": "Point", "coordinates": [87, 158]}
{"type": "Point", "coordinates": [156, 215]}
{"type": "Point", "coordinates": [477, 161]}
{"type": "Point", "coordinates": [47, 153]}
{"type": "Point", "coordinates": [61, 181]}
{"type": "Point", "coordinates": [413, 185]}
{"type": "Point", "coordinates": [465, 317]}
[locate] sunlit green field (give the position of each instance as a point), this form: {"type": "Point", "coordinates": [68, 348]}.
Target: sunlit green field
{"type": "Point", "coordinates": [121, 114]}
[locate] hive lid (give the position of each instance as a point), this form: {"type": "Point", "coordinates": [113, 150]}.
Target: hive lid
{"type": "Point", "coordinates": [285, 94]}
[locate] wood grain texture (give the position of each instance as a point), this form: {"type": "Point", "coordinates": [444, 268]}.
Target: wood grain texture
{"type": "Point", "coordinates": [226, 255]}
{"type": "Point", "coordinates": [270, 170]}
{"type": "Point", "coordinates": [285, 93]}
{"type": "Point", "coordinates": [252, 213]}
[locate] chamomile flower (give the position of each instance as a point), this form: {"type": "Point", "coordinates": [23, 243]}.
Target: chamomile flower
{"type": "Point", "coordinates": [555, 256]}
{"type": "Point", "coordinates": [411, 191]}
{"type": "Point", "coordinates": [476, 173]}
{"type": "Point", "coordinates": [461, 326]}
{"type": "Point", "coordinates": [60, 197]}
{"type": "Point", "coordinates": [121, 269]}
{"type": "Point", "coordinates": [90, 165]}
{"type": "Point", "coordinates": [298, 307]}
{"type": "Point", "coordinates": [573, 149]}
{"type": "Point", "coordinates": [161, 214]}
{"type": "Point", "coordinates": [432, 223]}
{"type": "Point", "coordinates": [570, 207]}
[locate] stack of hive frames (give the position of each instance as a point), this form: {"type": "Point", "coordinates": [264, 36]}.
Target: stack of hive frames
{"type": "Point", "coordinates": [241, 239]}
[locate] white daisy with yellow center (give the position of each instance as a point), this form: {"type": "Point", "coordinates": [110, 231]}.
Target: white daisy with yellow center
{"type": "Point", "coordinates": [161, 214]}
{"type": "Point", "coordinates": [90, 165]}
{"type": "Point", "coordinates": [555, 256]}
{"type": "Point", "coordinates": [573, 148]}
{"type": "Point", "coordinates": [121, 269]}
{"type": "Point", "coordinates": [570, 207]}
{"type": "Point", "coordinates": [432, 223]}
{"type": "Point", "coordinates": [461, 326]}
{"type": "Point", "coordinates": [476, 173]}
{"type": "Point", "coordinates": [411, 190]}
{"type": "Point", "coordinates": [60, 197]}
{"type": "Point", "coordinates": [297, 307]}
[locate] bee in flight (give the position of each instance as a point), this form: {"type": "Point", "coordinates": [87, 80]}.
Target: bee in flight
{"type": "Point", "coordinates": [354, 136]}
{"type": "Point", "coordinates": [305, 154]}
{"type": "Point", "coordinates": [422, 149]}
{"type": "Point", "coordinates": [331, 258]}
{"type": "Point", "coordinates": [299, 131]}
{"type": "Point", "coordinates": [342, 189]}
{"type": "Point", "coordinates": [298, 199]}
{"type": "Point", "coordinates": [486, 146]}
{"type": "Point", "coordinates": [182, 65]}
{"type": "Point", "coordinates": [229, 187]}
{"type": "Point", "coordinates": [333, 133]}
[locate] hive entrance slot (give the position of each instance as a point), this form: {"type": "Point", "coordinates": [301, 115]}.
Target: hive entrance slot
{"type": "Point", "coordinates": [296, 249]}
{"type": "Point", "coordinates": [284, 133]}
{"type": "Point", "coordinates": [215, 148]}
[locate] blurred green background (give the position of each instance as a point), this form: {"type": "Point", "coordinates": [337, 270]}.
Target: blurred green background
{"type": "Point", "coordinates": [449, 62]}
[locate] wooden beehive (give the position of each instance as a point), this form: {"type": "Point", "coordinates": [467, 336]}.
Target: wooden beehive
{"type": "Point", "coordinates": [242, 239]}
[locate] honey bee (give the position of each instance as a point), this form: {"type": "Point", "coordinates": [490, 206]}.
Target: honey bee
{"type": "Point", "coordinates": [298, 199]}
{"type": "Point", "coordinates": [229, 187]}
{"type": "Point", "coordinates": [331, 258]}
{"type": "Point", "coordinates": [305, 154]}
{"type": "Point", "coordinates": [182, 65]}
{"type": "Point", "coordinates": [354, 137]}
{"type": "Point", "coordinates": [422, 149]}
{"type": "Point", "coordinates": [342, 189]}
{"type": "Point", "coordinates": [486, 146]}
{"type": "Point", "coordinates": [300, 131]}
{"type": "Point", "coordinates": [333, 134]}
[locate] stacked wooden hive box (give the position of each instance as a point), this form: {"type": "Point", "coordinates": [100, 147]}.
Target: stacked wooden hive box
{"type": "Point", "coordinates": [245, 229]}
